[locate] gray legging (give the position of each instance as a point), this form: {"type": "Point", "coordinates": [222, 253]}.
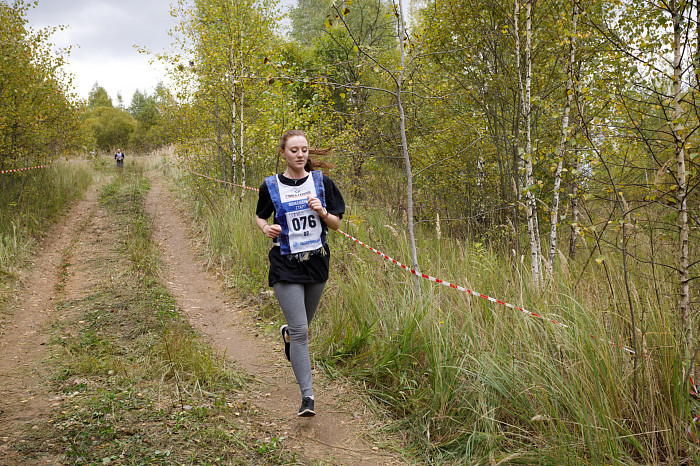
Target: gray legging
{"type": "Point", "coordinates": [299, 302]}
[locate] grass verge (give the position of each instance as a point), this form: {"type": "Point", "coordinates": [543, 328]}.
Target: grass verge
{"type": "Point", "coordinates": [31, 202]}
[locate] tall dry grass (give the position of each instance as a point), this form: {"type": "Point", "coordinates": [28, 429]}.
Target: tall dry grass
{"type": "Point", "coordinates": [31, 201]}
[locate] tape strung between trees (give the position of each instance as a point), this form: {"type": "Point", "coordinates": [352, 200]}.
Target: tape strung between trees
{"type": "Point", "coordinates": [2, 172]}
{"type": "Point", "coordinates": [434, 279]}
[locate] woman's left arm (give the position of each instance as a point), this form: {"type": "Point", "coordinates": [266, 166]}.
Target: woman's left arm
{"type": "Point", "coordinates": [331, 221]}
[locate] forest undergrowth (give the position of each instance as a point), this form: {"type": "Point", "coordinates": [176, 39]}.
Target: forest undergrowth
{"type": "Point", "coordinates": [471, 381]}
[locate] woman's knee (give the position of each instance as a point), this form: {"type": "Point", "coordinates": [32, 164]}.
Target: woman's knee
{"type": "Point", "coordinates": [298, 333]}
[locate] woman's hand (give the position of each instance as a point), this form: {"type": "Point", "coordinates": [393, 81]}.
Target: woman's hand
{"type": "Point", "coordinates": [331, 221]}
{"type": "Point", "coordinates": [316, 206]}
{"type": "Point", "coordinates": [272, 231]}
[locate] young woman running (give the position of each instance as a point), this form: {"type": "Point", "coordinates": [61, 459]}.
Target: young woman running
{"type": "Point", "coordinates": [305, 204]}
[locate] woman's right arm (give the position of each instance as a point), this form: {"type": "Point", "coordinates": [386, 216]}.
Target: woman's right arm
{"type": "Point", "coordinates": [271, 231]}
{"type": "Point", "coordinates": [265, 208]}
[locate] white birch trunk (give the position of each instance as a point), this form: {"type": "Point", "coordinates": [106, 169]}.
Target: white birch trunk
{"type": "Point", "coordinates": [531, 203]}
{"type": "Point", "coordinates": [240, 140]}
{"type": "Point", "coordinates": [554, 211]}
{"type": "Point", "coordinates": [404, 147]}
{"type": "Point", "coordinates": [221, 157]}
{"type": "Point", "coordinates": [234, 149]}
{"type": "Point", "coordinates": [240, 122]}
{"type": "Point", "coordinates": [234, 113]}
{"type": "Point", "coordinates": [683, 227]}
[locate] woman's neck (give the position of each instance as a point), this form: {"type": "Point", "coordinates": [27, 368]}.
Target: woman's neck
{"type": "Point", "coordinates": [295, 174]}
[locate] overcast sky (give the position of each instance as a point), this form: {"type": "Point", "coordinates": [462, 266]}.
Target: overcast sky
{"type": "Point", "coordinates": [103, 34]}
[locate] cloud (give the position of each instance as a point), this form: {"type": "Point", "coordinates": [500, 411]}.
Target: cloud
{"type": "Point", "coordinates": [119, 76]}
{"type": "Point", "coordinates": [103, 34]}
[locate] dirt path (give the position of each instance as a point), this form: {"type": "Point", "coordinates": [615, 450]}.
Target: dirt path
{"type": "Point", "coordinates": [64, 269]}
{"type": "Point", "coordinates": [25, 401]}
{"type": "Point", "coordinates": [337, 433]}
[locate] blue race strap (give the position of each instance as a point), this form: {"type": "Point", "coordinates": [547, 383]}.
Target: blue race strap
{"type": "Point", "coordinates": [281, 214]}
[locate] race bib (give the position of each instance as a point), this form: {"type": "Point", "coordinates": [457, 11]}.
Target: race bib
{"type": "Point", "coordinates": [303, 224]}
{"type": "Point", "coordinates": [304, 230]}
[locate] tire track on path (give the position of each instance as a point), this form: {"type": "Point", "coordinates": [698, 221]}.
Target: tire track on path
{"type": "Point", "coordinates": [338, 433]}
{"type": "Point", "coordinates": [25, 399]}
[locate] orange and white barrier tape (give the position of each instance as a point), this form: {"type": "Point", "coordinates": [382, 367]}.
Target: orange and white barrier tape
{"type": "Point", "coordinates": [222, 181]}
{"type": "Point", "coordinates": [2, 172]}
{"type": "Point", "coordinates": [474, 293]}
{"type": "Point", "coordinates": [450, 285]}
{"type": "Point", "coordinates": [443, 282]}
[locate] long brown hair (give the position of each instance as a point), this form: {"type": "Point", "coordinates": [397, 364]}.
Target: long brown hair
{"type": "Point", "coordinates": [310, 163]}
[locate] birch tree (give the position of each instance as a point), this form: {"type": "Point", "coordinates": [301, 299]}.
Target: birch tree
{"type": "Point", "coordinates": [659, 105]}
{"type": "Point", "coordinates": [397, 76]}
{"type": "Point", "coordinates": [224, 47]}
{"type": "Point", "coordinates": [554, 210]}
{"type": "Point", "coordinates": [531, 202]}
{"type": "Point", "coordinates": [677, 8]}
{"type": "Point", "coordinates": [403, 43]}
{"type": "Point", "coordinates": [38, 112]}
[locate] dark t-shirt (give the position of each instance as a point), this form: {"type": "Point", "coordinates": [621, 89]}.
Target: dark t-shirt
{"type": "Point", "coordinates": [287, 268]}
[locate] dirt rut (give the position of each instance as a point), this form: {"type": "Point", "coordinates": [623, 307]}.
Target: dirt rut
{"type": "Point", "coordinates": [25, 399]}
{"type": "Point", "coordinates": [341, 432]}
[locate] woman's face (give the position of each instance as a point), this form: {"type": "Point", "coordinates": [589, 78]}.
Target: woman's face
{"type": "Point", "coordinates": [295, 152]}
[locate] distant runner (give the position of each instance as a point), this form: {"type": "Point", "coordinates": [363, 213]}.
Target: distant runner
{"type": "Point", "coordinates": [119, 156]}
{"type": "Point", "coordinates": [305, 204]}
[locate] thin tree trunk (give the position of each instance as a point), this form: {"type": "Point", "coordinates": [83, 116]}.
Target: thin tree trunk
{"type": "Point", "coordinates": [517, 158]}
{"type": "Point", "coordinates": [234, 149]}
{"type": "Point", "coordinates": [521, 96]}
{"type": "Point", "coordinates": [219, 147]}
{"type": "Point", "coordinates": [531, 203]}
{"type": "Point", "coordinates": [679, 147]}
{"type": "Point", "coordinates": [696, 61]}
{"type": "Point", "coordinates": [234, 112]}
{"type": "Point", "coordinates": [240, 139]}
{"type": "Point", "coordinates": [404, 147]}
{"type": "Point", "coordinates": [554, 211]}
{"type": "Point", "coordinates": [574, 208]}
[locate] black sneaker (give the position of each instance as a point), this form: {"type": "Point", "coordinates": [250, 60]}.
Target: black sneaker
{"type": "Point", "coordinates": [307, 407]}
{"type": "Point", "coordinates": [285, 337]}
